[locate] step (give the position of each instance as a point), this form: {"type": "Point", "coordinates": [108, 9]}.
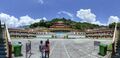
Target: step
{"type": "Point", "coordinates": [118, 41]}
{"type": "Point", "coordinates": [117, 52]}
{"type": "Point", "coordinates": [3, 56]}
{"type": "Point", "coordinates": [2, 48]}
{"type": "Point", "coordinates": [2, 45]}
{"type": "Point", "coordinates": [2, 39]}
{"type": "Point", "coordinates": [3, 53]}
{"type": "Point", "coordinates": [2, 42]}
{"type": "Point", "coordinates": [118, 49]}
{"type": "Point", "coordinates": [115, 56]}
{"type": "Point", "coordinates": [118, 46]}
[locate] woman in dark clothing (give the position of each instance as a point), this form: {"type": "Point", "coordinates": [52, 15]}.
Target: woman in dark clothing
{"type": "Point", "coordinates": [47, 49]}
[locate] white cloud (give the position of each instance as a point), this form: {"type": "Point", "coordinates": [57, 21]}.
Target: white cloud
{"type": "Point", "coordinates": [25, 20]}
{"type": "Point", "coordinates": [99, 23]}
{"type": "Point", "coordinates": [12, 21]}
{"type": "Point", "coordinates": [67, 13]}
{"type": "Point", "coordinates": [9, 20]}
{"type": "Point", "coordinates": [44, 18]}
{"type": "Point", "coordinates": [40, 1]}
{"type": "Point", "coordinates": [37, 20]}
{"type": "Point", "coordinates": [86, 15]}
{"type": "Point", "coordinates": [112, 19]}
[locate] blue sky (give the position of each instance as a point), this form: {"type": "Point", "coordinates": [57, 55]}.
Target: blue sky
{"type": "Point", "coordinates": [100, 11]}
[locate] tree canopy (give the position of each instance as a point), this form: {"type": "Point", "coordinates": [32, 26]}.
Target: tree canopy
{"type": "Point", "coordinates": [112, 25]}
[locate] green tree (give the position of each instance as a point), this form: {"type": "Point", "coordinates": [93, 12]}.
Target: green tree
{"type": "Point", "coordinates": [34, 25]}
{"type": "Point", "coordinates": [112, 25]}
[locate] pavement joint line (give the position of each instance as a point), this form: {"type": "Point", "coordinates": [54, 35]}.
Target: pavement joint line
{"type": "Point", "coordinates": [52, 49]}
{"type": "Point", "coordinates": [66, 50]}
{"type": "Point", "coordinates": [87, 53]}
{"type": "Point", "coordinates": [82, 51]}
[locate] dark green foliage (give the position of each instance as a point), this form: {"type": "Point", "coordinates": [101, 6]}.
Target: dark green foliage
{"type": "Point", "coordinates": [34, 25]}
{"type": "Point", "coordinates": [112, 25]}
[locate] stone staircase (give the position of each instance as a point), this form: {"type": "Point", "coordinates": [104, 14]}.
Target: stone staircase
{"type": "Point", "coordinates": [2, 48]}
{"type": "Point", "coordinates": [3, 53]}
{"type": "Point", "coordinates": [117, 54]}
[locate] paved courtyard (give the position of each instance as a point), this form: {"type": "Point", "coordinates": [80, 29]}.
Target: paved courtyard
{"type": "Point", "coordinates": [65, 48]}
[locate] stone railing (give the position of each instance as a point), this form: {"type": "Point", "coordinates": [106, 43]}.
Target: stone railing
{"type": "Point", "coordinates": [8, 42]}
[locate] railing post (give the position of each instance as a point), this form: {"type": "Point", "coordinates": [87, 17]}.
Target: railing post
{"type": "Point", "coordinates": [113, 48]}
{"type": "Point", "coordinates": [10, 50]}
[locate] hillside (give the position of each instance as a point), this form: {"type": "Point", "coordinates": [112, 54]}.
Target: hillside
{"type": "Point", "coordinates": [73, 24]}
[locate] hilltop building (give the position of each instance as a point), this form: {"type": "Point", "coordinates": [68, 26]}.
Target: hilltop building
{"type": "Point", "coordinates": [60, 26]}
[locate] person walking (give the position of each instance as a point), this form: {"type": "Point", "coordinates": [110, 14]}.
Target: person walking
{"type": "Point", "coordinates": [29, 42]}
{"type": "Point", "coordinates": [47, 48]}
{"type": "Point", "coordinates": [41, 48]}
